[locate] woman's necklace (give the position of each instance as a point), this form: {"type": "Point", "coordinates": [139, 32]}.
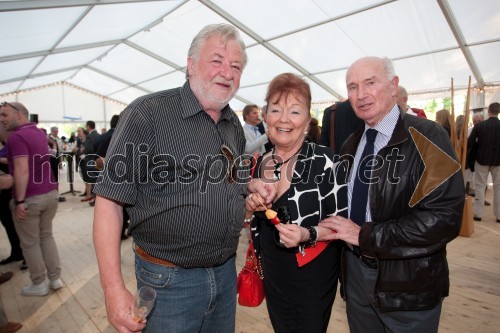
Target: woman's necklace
{"type": "Point", "coordinates": [278, 165]}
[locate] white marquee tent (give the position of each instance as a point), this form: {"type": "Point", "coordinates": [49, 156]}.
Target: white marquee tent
{"type": "Point", "coordinates": [82, 58]}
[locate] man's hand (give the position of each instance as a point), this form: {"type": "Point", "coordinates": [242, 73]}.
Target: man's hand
{"type": "Point", "coordinates": [21, 211]}
{"type": "Point", "coordinates": [118, 307]}
{"type": "Point", "coordinates": [265, 192]}
{"type": "Point", "coordinates": [341, 228]}
{"type": "Point", "coordinates": [108, 222]}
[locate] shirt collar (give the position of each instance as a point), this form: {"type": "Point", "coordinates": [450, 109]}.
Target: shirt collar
{"type": "Point", "coordinates": [24, 126]}
{"type": "Point", "coordinates": [388, 123]}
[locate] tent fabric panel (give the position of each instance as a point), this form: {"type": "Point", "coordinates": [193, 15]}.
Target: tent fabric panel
{"type": "Point", "coordinates": [263, 66]}
{"type": "Point", "coordinates": [112, 108]}
{"type": "Point", "coordinates": [254, 94]}
{"type": "Point", "coordinates": [46, 80]}
{"type": "Point", "coordinates": [344, 7]}
{"type": "Point", "coordinates": [109, 22]}
{"type": "Point", "coordinates": [172, 37]}
{"type": "Point", "coordinates": [46, 103]}
{"type": "Point", "coordinates": [335, 80]}
{"type": "Point", "coordinates": [236, 105]}
{"type": "Point", "coordinates": [84, 105]}
{"type": "Point", "coordinates": [131, 65]}
{"type": "Point", "coordinates": [17, 68]}
{"type": "Point", "coordinates": [34, 30]}
{"type": "Point", "coordinates": [317, 92]}
{"type": "Point", "coordinates": [70, 59]}
{"type": "Point", "coordinates": [128, 94]}
{"type": "Point", "coordinates": [261, 12]}
{"type": "Point", "coordinates": [168, 81]}
{"type": "Point", "coordinates": [9, 87]}
{"type": "Point", "coordinates": [487, 56]}
{"type": "Point", "coordinates": [310, 49]}
{"type": "Point", "coordinates": [402, 28]}
{"type": "Point", "coordinates": [433, 71]}
{"type": "Point", "coordinates": [96, 82]}
{"type": "Point", "coordinates": [479, 21]}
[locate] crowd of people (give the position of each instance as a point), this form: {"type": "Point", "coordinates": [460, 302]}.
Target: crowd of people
{"type": "Point", "coordinates": [30, 162]}
{"type": "Point", "coordinates": [182, 175]}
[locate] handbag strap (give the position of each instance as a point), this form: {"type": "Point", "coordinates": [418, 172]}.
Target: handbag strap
{"type": "Point", "coordinates": [253, 262]}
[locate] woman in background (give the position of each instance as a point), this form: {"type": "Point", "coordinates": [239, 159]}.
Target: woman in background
{"type": "Point", "coordinates": [314, 131]}
{"type": "Point", "coordinates": [443, 119]}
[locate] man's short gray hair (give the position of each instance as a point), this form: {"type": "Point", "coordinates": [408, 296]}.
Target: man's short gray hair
{"type": "Point", "coordinates": [226, 31]}
{"type": "Point", "coordinates": [389, 68]}
{"type": "Point", "coordinates": [386, 62]}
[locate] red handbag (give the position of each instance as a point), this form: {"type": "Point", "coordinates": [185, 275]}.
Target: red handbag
{"type": "Point", "coordinates": [249, 284]}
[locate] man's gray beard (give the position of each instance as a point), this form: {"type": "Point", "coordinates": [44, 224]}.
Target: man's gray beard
{"type": "Point", "coordinates": [209, 97]}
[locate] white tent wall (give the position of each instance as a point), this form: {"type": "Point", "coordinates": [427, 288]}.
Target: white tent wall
{"type": "Point", "coordinates": [62, 103]}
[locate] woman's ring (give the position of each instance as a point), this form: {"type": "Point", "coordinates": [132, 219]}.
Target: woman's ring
{"type": "Point", "coordinates": [250, 196]}
{"type": "Point", "coordinates": [282, 242]}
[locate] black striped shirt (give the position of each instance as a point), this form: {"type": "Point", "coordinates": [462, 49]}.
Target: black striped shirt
{"type": "Point", "coordinates": [165, 164]}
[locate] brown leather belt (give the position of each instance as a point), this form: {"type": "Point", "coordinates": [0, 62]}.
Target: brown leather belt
{"type": "Point", "coordinates": [143, 254]}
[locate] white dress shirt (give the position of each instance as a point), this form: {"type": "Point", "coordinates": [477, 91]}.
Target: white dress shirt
{"type": "Point", "coordinates": [255, 140]}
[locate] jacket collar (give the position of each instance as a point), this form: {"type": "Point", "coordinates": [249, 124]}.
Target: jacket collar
{"type": "Point", "coordinates": [399, 135]}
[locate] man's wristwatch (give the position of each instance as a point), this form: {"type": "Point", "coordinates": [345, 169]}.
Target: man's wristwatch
{"type": "Point", "coordinates": [18, 202]}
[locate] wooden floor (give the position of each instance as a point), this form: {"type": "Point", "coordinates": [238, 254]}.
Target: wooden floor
{"type": "Point", "coordinates": [473, 305]}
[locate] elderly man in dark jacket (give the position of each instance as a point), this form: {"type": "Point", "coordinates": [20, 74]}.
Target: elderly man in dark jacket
{"type": "Point", "coordinates": [395, 268]}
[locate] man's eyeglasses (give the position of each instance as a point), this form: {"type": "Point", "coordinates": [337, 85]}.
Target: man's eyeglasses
{"type": "Point", "coordinates": [4, 103]}
{"type": "Point", "coordinates": [232, 168]}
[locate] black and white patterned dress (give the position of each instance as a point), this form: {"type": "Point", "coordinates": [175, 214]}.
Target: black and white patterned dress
{"type": "Point", "coordinates": [301, 299]}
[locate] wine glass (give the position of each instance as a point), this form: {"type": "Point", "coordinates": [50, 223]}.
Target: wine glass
{"type": "Point", "coordinates": [143, 303]}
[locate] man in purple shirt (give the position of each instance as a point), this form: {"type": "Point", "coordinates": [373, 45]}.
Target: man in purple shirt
{"type": "Point", "coordinates": [34, 202]}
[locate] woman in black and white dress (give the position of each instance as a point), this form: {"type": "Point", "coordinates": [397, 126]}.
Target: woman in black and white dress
{"type": "Point", "coordinates": [300, 275]}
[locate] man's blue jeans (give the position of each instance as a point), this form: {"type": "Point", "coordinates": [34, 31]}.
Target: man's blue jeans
{"type": "Point", "coordinates": [190, 300]}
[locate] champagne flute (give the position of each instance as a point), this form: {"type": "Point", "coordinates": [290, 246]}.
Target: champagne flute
{"type": "Point", "coordinates": [143, 303]}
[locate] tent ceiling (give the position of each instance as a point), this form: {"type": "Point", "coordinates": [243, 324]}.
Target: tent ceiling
{"type": "Point", "coordinates": [124, 49]}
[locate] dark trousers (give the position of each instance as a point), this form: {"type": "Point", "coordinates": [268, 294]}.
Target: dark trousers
{"type": "Point", "coordinates": [54, 166]}
{"type": "Point", "coordinates": [8, 224]}
{"type": "Point", "coordinates": [363, 314]}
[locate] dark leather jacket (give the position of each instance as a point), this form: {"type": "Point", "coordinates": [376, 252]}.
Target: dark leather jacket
{"type": "Point", "coordinates": [410, 242]}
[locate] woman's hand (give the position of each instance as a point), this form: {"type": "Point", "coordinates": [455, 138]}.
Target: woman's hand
{"type": "Point", "coordinates": [291, 235]}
